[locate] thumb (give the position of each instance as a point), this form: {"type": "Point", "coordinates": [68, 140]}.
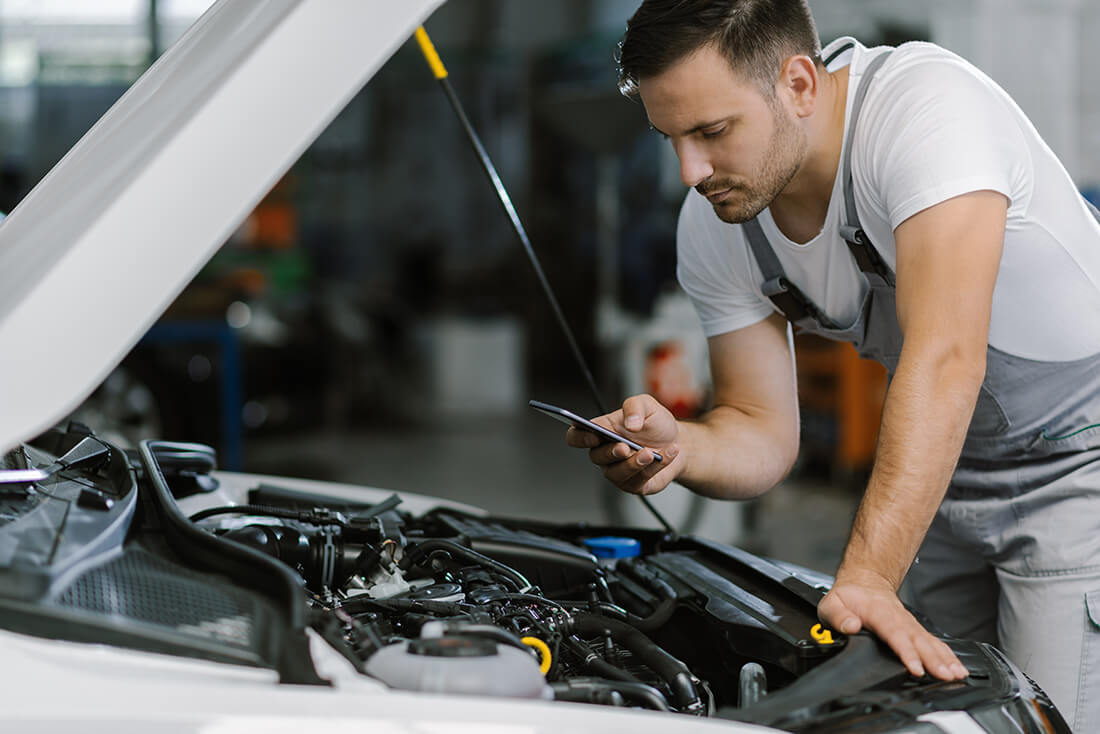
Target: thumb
{"type": "Point", "coordinates": [836, 614]}
{"type": "Point", "coordinates": [636, 410]}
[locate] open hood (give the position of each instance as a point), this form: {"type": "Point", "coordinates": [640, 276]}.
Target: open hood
{"type": "Point", "coordinates": [101, 247]}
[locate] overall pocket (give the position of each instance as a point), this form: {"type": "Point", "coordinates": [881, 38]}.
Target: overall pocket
{"type": "Point", "coordinates": [1087, 717]}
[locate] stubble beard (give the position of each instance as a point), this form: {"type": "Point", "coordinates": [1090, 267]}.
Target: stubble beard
{"type": "Point", "coordinates": [786, 150]}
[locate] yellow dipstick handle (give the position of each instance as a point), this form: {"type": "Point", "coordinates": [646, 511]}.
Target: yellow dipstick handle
{"type": "Point", "coordinates": [428, 50]}
{"type": "Point", "coordinates": [544, 652]}
{"type": "Point", "coordinates": [822, 636]}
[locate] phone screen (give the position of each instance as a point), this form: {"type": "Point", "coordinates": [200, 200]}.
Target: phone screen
{"type": "Point", "coordinates": [570, 418]}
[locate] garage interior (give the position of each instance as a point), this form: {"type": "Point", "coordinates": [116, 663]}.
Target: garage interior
{"type": "Point", "coordinates": [375, 321]}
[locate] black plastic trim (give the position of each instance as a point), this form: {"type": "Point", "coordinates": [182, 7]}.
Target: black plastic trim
{"type": "Point", "coordinates": [249, 567]}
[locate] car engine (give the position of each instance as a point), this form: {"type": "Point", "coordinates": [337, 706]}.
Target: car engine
{"type": "Point", "coordinates": [453, 603]}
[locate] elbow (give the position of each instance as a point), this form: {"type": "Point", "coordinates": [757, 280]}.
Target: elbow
{"type": "Point", "coordinates": [780, 461]}
{"type": "Point", "coordinates": [787, 455]}
{"type": "Point", "coordinates": [964, 365]}
{"type": "Point", "coordinates": [952, 365]}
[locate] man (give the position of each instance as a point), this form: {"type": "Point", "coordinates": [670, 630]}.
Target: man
{"type": "Point", "coordinates": [971, 269]}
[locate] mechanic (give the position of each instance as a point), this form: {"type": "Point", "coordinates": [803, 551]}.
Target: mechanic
{"type": "Point", "coordinates": [958, 253]}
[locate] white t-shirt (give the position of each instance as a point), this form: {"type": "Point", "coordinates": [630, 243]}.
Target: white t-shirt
{"type": "Point", "coordinates": [932, 127]}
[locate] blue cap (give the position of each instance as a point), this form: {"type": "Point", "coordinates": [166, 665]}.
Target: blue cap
{"type": "Point", "coordinates": [610, 546]}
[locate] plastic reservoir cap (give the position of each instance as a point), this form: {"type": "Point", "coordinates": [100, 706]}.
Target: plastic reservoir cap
{"type": "Point", "coordinates": [610, 546]}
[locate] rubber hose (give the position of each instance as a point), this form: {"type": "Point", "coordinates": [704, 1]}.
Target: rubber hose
{"type": "Point", "coordinates": [669, 668]}
{"type": "Point", "coordinates": [646, 577]}
{"type": "Point", "coordinates": [653, 622]}
{"type": "Point", "coordinates": [425, 547]}
{"type": "Point", "coordinates": [246, 510]}
{"type": "Point", "coordinates": [595, 663]}
{"type": "Point", "coordinates": [584, 691]}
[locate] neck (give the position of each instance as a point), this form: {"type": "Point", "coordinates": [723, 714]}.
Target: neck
{"type": "Point", "coordinates": [800, 209]}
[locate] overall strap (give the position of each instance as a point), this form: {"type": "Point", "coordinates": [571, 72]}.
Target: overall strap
{"type": "Point", "coordinates": [786, 296]}
{"type": "Point", "coordinates": [866, 256]}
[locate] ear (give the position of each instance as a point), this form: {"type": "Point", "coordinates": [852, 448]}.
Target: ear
{"type": "Point", "coordinates": [798, 81]}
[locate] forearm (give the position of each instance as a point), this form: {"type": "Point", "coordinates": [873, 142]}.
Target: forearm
{"type": "Point", "coordinates": [928, 410]}
{"type": "Point", "coordinates": [733, 453]}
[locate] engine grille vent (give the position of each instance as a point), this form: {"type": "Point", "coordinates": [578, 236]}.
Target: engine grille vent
{"type": "Point", "coordinates": [140, 586]}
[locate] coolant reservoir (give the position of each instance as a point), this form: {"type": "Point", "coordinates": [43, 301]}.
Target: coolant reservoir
{"type": "Point", "coordinates": [463, 665]}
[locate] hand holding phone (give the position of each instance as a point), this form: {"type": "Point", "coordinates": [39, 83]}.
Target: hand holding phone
{"type": "Point", "coordinates": [572, 419]}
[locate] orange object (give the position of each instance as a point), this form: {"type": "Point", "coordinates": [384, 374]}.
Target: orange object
{"type": "Point", "coordinates": [669, 378]}
{"type": "Point", "coordinates": [833, 380]}
{"type": "Point", "coordinates": [276, 225]}
{"type": "Point", "coordinates": [273, 224]}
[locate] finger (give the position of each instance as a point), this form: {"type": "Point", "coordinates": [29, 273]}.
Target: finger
{"type": "Point", "coordinates": [901, 642]}
{"type": "Point", "coordinates": [939, 659]}
{"type": "Point", "coordinates": [918, 649]}
{"type": "Point", "coordinates": [644, 486]}
{"type": "Point", "coordinates": [581, 439]}
{"type": "Point", "coordinates": [649, 478]}
{"type": "Point", "coordinates": [958, 668]}
{"type": "Point", "coordinates": [933, 657]}
{"type": "Point", "coordinates": [611, 421]}
{"type": "Point", "coordinates": [609, 453]}
{"type": "Point", "coordinates": [836, 614]}
{"type": "Point", "coordinates": [630, 474]}
{"type": "Point", "coordinates": [636, 410]}
{"type": "Point", "coordinates": [620, 472]}
{"type": "Point", "coordinates": [906, 637]}
{"type": "Point", "coordinates": [953, 668]}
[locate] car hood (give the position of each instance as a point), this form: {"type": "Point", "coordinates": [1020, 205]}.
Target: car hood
{"type": "Point", "coordinates": [100, 248]}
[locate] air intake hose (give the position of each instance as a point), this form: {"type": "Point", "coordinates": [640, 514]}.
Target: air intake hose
{"type": "Point", "coordinates": [672, 671]}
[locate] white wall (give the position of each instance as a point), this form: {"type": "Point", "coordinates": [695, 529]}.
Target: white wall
{"type": "Point", "coordinates": [1038, 50]}
{"type": "Point", "coordinates": [1089, 97]}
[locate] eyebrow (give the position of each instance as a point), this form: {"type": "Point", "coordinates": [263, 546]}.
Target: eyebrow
{"type": "Point", "coordinates": [697, 128]}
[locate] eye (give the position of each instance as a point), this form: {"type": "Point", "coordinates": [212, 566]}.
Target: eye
{"type": "Point", "coordinates": [716, 132]}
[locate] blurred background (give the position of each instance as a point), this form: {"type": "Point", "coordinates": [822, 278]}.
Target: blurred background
{"type": "Point", "coordinates": [375, 320]}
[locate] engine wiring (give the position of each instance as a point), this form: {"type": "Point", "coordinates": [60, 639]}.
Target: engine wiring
{"type": "Point", "coordinates": [374, 587]}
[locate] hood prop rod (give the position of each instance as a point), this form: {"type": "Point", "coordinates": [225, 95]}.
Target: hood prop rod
{"type": "Point", "coordinates": [440, 72]}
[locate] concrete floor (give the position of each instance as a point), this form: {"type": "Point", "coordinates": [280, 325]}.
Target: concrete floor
{"type": "Point", "coordinates": [519, 466]}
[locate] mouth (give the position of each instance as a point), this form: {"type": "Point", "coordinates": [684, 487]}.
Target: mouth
{"type": "Point", "coordinates": [717, 197]}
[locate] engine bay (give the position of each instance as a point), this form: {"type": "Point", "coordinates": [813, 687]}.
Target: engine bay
{"type": "Point", "coordinates": [628, 620]}
{"type": "Point", "coordinates": [437, 601]}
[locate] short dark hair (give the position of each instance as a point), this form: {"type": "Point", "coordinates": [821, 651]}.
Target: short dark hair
{"type": "Point", "coordinates": [755, 36]}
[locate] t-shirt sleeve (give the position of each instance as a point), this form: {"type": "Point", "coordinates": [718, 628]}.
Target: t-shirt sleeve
{"type": "Point", "coordinates": [937, 130]}
{"type": "Point", "coordinates": [714, 270]}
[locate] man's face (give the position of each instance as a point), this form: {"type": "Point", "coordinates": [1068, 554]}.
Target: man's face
{"type": "Point", "coordinates": [737, 146]}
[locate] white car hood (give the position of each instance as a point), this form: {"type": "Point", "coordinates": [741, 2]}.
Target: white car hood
{"type": "Point", "coordinates": [100, 248]}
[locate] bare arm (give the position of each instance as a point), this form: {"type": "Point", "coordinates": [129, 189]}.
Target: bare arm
{"type": "Point", "coordinates": [948, 257]}
{"type": "Point", "coordinates": [739, 449]}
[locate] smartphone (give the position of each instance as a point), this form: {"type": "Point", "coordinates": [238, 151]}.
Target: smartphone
{"type": "Point", "coordinates": [572, 419]}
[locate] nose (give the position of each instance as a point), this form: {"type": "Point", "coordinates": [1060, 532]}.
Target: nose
{"type": "Point", "coordinates": [694, 164]}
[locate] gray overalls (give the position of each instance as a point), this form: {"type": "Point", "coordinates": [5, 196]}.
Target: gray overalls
{"type": "Point", "coordinates": [1013, 554]}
